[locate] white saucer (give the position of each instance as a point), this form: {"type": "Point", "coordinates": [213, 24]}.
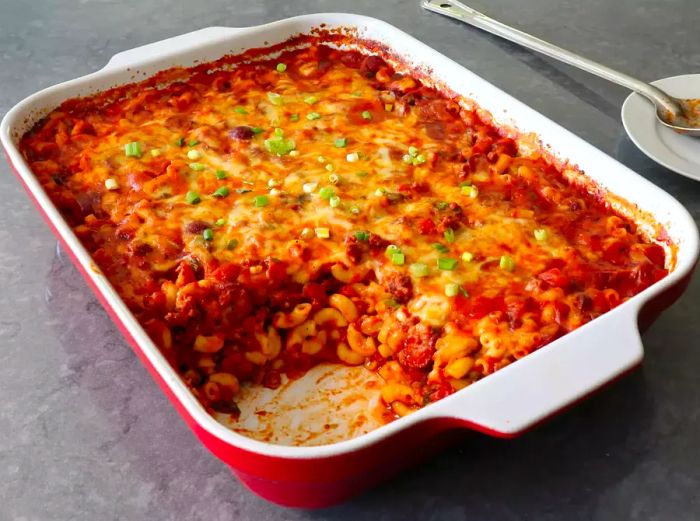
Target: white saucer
{"type": "Point", "coordinates": [674, 151]}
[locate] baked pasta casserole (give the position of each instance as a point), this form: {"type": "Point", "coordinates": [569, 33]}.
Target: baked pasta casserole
{"type": "Point", "coordinates": [262, 216]}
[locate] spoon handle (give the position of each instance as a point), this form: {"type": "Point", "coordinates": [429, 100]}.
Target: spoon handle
{"type": "Point", "coordinates": [456, 9]}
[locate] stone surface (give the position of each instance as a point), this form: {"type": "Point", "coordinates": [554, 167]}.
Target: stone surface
{"type": "Point", "coordinates": [86, 435]}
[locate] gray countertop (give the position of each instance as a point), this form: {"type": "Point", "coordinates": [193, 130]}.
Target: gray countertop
{"type": "Point", "coordinates": [85, 434]}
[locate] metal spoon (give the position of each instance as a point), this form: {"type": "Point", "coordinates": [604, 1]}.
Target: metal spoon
{"type": "Point", "coordinates": [680, 115]}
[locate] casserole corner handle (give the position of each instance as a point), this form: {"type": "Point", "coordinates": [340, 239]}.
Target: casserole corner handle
{"type": "Point", "coordinates": [168, 46]}
{"type": "Point", "coordinates": [546, 382]}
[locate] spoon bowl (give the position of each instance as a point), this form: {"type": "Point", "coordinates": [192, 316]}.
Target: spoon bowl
{"type": "Point", "coordinates": [686, 120]}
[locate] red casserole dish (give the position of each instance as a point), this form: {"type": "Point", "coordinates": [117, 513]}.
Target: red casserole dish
{"type": "Point", "coordinates": [506, 403]}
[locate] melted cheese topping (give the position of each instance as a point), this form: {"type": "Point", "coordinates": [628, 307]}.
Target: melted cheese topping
{"type": "Point", "coordinates": [217, 204]}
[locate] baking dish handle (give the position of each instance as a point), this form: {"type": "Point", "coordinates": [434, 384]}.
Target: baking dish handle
{"type": "Point", "coordinates": [169, 46]}
{"type": "Point", "coordinates": [521, 395]}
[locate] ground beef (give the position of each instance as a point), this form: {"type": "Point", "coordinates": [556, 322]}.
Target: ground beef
{"type": "Point", "coordinates": [400, 287]}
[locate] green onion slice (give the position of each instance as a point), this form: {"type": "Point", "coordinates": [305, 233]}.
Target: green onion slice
{"type": "Point", "coordinates": [133, 149]}
{"type": "Point", "coordinates": [326, 192]}
{"type": "Point", "coordinates": [446, 263]}
{"type": "Point", "coordinates": [261, 200]}
{"type": "Point", "coordinates": [419, 269]}
{"type": "Point", "coordinates": [192, 197]}
{"type": "Point", "coordinates": [275, 98]}
{"type": "Point", "coordinates": [398, 259]}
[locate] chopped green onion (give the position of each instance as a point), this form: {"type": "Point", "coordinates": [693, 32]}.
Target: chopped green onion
{"type": "Point", "coordinates": [193, 155]}
{"type": "Point", "coordinates": [352, 157]}
{"type": "Point", "coordinates": [419, 269]}
{"type": "Point", "coordinates": [294, 153]}
{"type": "Point", "coordinates": [388, 107]}
{"type": "Point", "coordinates": [193, 143]}
{"type": "Point", "coordinates": [330, 168]}
{"type": "Point", "coordinates": [392, 249]}
{"type": "Point", "coordinates": [220, 174]}
{"type": "Point", "coordinates": [333, 178]}
{"type": "Point", "coordinates": [261, 200]}
{"type": "Point", "coordinates": [407, 158]}
{"type": "Point", "coordinates": [220, 222]}
{"type": "Point", "coordinates": [334, 201]}
{"type": "Point", "coordinates": [326, 192]}
{"type": "Point", "coordinates": [541, 234]}
{"type": "Point", "coordinates": [449, 235]}
{"type": "Point", "coordinates": [243, 190]}
{"type": "Point", "coordinates": [463, 291]}
{"type": "Point", "coordinates": [275, 98]}
{"type": "Point", "coordinates": [442, 205]}
{"type": "Point", "coordinates": [446, 263]}
{"type": "Point", "coordinates": [192, 197]}
{"type": "Point", "coordinates": [362, 236]}
{"type": "Point", "coordinates": [278, 132]}
{"type": "Point", "coordinates": [279, 146]}
{"type": "Point", "coordinates": [471, 191]}
{"type": "Point", "coordinates": [507, 263]}
{"type": "Point", "coordinates": [179, 141]}
{"type": "Point", "coordinates": [451, 289]}
{"type": "Point", "coordinates": [464, 183]}
{"type": "Point", "coordinates": [440, 247]}
{"type": "Point", "coordinates": [294, 117]}
{"type": "Point", "coordinates": [362, 174]}
{"type": "Point", "coordinates": [357, 93]}
{"type": "Point", "coordinates": [281, 67]}
{"type": "Point", "coordinates": [133, 149]}
{"type": "Point", "coordinates": [341, 142]}
{"type": "Point", "coordinates": [313, 115]}
{"type": "Point", "coordinates": [412, 151]}
{"type": "Point", "coordinates": [366, 114]}
{"type": "Point", "coordinates": [257, 130]}
{"type": "Point", "coordinates": [310, 100]}
{"type": "Point", "coordinates": [321, 159]}
{"type": "Point", "coordinates": [398, 259]}
{"type": "Point", "coordinates": [208, 234]}
{"type": "Point", "coordinates": [354, 209]}
{"type": "Point", "coordinates": [240, 110]}
{"type": "Point", "coordinates": [111, 184]}
{"type": "Point", "coordinates": [197, 166]}
{"type": "Point", "coordinates": [322, 233]}
{"type": "Point", "coordinates": [231, 245]}
{"type": "Point", "coordinates": [155, 152]}
{"type": "Point", "coordinates": [221, 192]}
{"type": "Point", "coordinates": [467, 256]}
{"type": "Point", "coordinates": [419, 159]}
